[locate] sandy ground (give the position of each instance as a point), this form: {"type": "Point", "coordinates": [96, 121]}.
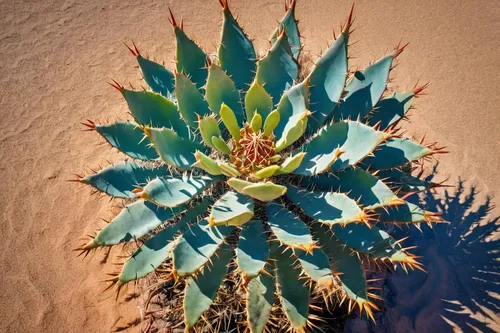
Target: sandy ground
{"type": "Point", "coordinates": [57, 56]}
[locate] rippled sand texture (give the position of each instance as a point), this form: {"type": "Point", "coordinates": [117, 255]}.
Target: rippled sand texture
{"type": "Point", "coordinates": [56, 57]}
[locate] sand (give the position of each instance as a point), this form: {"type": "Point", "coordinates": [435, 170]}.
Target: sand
{"type": "Point", "coordinates": [57, 56]}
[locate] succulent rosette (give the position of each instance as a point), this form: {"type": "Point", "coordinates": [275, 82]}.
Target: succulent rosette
{"type": "Point", "coordinates": [244, 162]}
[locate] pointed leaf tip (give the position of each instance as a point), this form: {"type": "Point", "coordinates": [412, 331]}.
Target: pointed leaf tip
{"type": "Point", "coordinates": [135, 52]}
{"type": "Point", "coordinates": [399, 49]}
{"type": "Point", "coordinates": [171, 19]}
{"type": "Point", "coordinates": [418, 89]}
{"type": "Point", "coordinates": [348, 22]}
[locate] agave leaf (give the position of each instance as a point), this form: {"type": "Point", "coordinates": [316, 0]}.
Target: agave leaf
{"type": "Point", "coordinates": [221, 145]}
{"type": "Point", "coordinates": [391, 109]}
{"type": "Point", "coordinates": [407, 213]}
{"type": "Point", "coordinates": [201, 290]}
{"type": "Point", "coordinates": [175, 150]}
{"type": "Point", "coordinates": [364, 90]}
{"type": "Point", "coordinates": [228, 170]}
{"type": "Point", "coordinates": [395, 153]}
{"type": "Point", "coordinates": [327, 80]}
{"type": "Point", "coordinates": [253, 249]}
{"type": "Point", "coordinates": [159, 78]}
{"type": "Point", "coordinates": [206, 163]}
{"type": "Point", "coordinates": [266, 191]}
{"type": "Point", "coordinates": [278, 69]}
{"type": "Point", "coordinates": [266, 172]}
{"type": "Point", "coordinates": [257, 100]}
{"type": "Point", "coordinates": [221, 90]}
{"type": "Point", "coordinates": [158, 248]}
{"type": "Point", "coordinates": [196, 246]}
{"type": "Point", "coordinates": [236, 52]}
{"type": "Point", "coordinates": [271, 122]}
{"type": "Point", "coordinates": [260, 299]}
{"type": "Point", "coordinates": [405, 182]}
{"type": "Point", "coordinates": [293, 102]}
{"type": "Point", "coordinates": [326, 207]}
{"type": "Point", "coordinates": [370, 240]}
{"type": "Point", "coordinates": [230, 120]}
{"type": "Point", "coordinates": [238, 184]}
{"type": "Point", "coordinates": [169, 191]}
{"type": "Point", "coordinates": [120, 179]}
{"type": "Point", "coordinates": [153, 110]}
{"type": "Point", "coordinates": [289, 24]}
{"type": "Point", "coordinates": [190, 100]}
{"type": "Point", "coordinates": [128, 138]}
{"type": "Point", "coordinates": [133, 222]}
{"type": "Point", "coordinates": [293, 130]}
{"type": "Point", "coordinates": [359, 185]}
{"type": "Point", "coordinates": [191, 59]}
{"type": "Point", "coordinates": [290, 164]}
{"type": "Point", "coordinates": [338, 146]}
{"type": "Point", "coordinates": [347, 264]}
{"type": "Point", "coordinates": [288, 228]}
{"type": "Point", "coordinates": [232, 209]}
{"type": "Point", "coordinates": [293, 293]}
{"type": "Point", "coordinates": [256, 123]}
{"type": "Point", "coordinates": [209, 127]}
{"type": "Point", "coordinates": [315, 264]}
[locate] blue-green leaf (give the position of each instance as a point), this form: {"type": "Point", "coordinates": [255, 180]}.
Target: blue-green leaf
{"type": "Point", "coordinates": [289, 23]}
{"type": "Point", "coordinates": [260, 299]}
{"type": "Point", "coordinates": [407, 213]}
{"type": "Point", "coordinates": [196, 246]}
{"type": "Point", "coordinates": [253, 249]}
{"type": "Point", "coordinates": [175, 150]}
{"type": "Point", "coordinates": [232, 208]}
{"type": "Point", "coordinates": [370, 240]}
{"type": "Point", "coordinates": [128, 138]}
{"type": "Point", "coordinates": [158, 248]}
{"type": "Point", "coordinates": [338, 146]}
{"type": "Point", "coordinates": [236, 53]}
{"type": "Point", "coordinates": [404, 182]}
{"type": "Point", "coordinates": [150, 109]}
{"type": "Point", "coordinates": [391, 109]}
{"type": "Point", "coordinates": [293, 292]}
{"type": "Point", "coordinates": [221, 89]}
{"type": "Point", "coordinates": [364, 90]}
{"type": "Point", "coordinates": [358, 184]}
{"type": "Point", "coordinates": [352, 274]}
{"type": "Point", "coordinates": [326, 207]}
{"type": "Point", "coordinates": [191, 59]}
{"type": "Point", "coordinates": [133, 222]}
{"type": "Point", "coordinates": [288, 228]}
{"type": "Point", "coordinates": [293, 131]}
{"type": "Point", "coordinates": [278, 69]}
{"type": "Point", "coordinates": [201, 290]}
{"type": "Point", "coordinates": [396, 152]}
{"type": "Point", "coordinates": [171, 191]}
{"type": "Point", "coordinates": [293, 102]}
{"type": "Point", "coordinates": [120, 179]}
{"type": "Point", "coordinates": [159, 78]}
{"type": "Point", "coordinates": [327, 80]}
{"type": "Point", "coordinates": [316, 265]}
{"type": "Point", "coordinates": [190, 100]}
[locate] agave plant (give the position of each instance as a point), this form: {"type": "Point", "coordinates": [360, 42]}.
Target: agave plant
{"type": "Point", "coordinates": [245, 162]}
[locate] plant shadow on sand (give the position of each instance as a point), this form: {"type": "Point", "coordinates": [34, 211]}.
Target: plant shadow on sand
{"type": "Point", "coordinates": [460, 292]}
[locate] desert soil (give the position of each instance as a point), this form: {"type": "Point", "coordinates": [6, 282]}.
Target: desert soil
{"type": "Point", "coordinates": [57, 56]}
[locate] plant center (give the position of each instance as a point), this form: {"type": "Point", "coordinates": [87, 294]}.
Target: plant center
{"type": "Point", "coordinates": [253, 151]}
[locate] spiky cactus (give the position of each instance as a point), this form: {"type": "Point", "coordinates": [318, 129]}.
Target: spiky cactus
{"type": "Point", "coordinates": [243, 163]}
